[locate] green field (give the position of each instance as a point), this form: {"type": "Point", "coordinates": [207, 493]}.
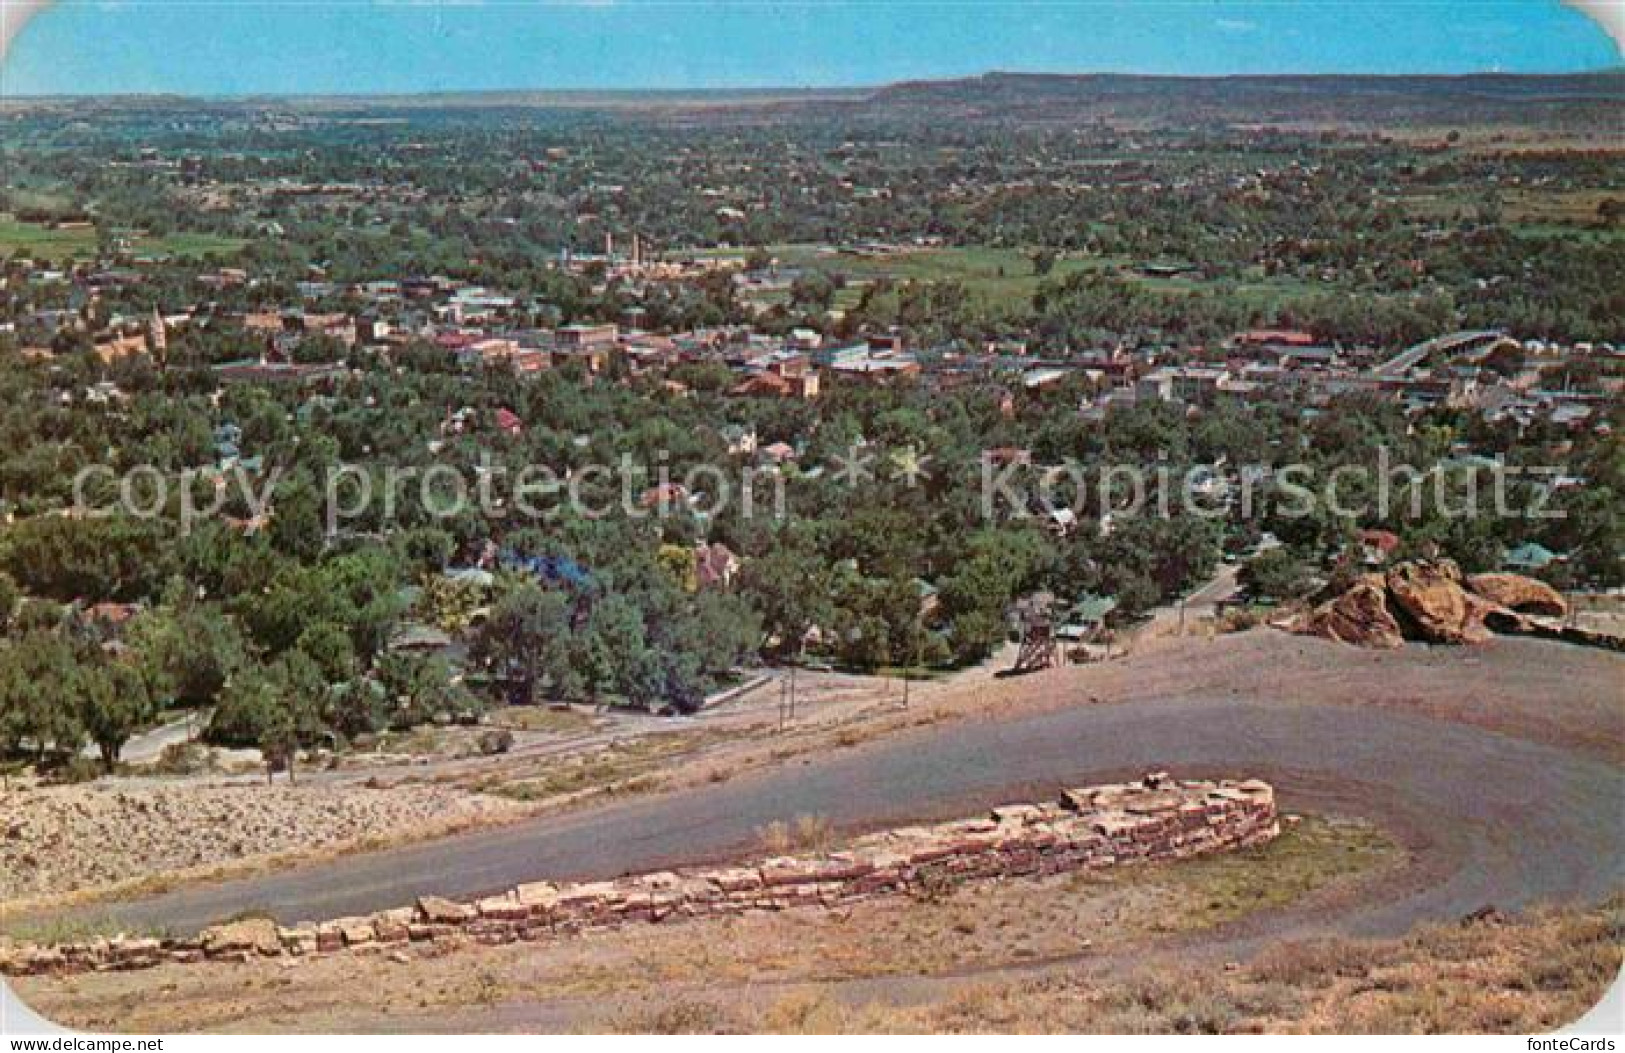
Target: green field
{"type": "Point", "coordinates": [1575, 209]}
{"type": "Point", "coordinates": [33, 239]}
{"type": "Point", "coordinates": [997, 276]}
{"type": "Point", "coordinates": [1003, 278]}
{"type": "Point", "coordinates": [36, 239]}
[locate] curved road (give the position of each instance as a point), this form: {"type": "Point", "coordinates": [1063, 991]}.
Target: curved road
{"type": "Point", "coordinates": [1490, 819]}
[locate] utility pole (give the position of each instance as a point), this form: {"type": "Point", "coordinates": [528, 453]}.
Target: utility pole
{"type": "Point", "coordinates": [919, 629]}
{"type": "Point", "coordinates": [787, 699]}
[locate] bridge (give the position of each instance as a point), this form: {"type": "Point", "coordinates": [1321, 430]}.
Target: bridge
{"type": "Point", "coordinates": [1448, 344]}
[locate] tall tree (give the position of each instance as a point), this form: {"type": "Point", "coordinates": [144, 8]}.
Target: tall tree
{"type": "Point", "coordinates": [113, 704]}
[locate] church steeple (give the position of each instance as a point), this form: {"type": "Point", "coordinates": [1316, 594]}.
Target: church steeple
{"type": "Point", "coordinates": [158, 338]}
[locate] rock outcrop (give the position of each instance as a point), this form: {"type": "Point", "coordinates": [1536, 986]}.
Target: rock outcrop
{"type": "Point", "coordinates": [1518, 593]}
{"type": "Point", "coordinates": [1429, 600]}
{"type": "Point", "coordinates": [1434, 604]}
{"type": "Point", "coordinates": [1359, 616]}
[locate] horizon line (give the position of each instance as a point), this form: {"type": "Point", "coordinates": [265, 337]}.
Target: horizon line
{"type": "Point", "coordinates": [868, 86]}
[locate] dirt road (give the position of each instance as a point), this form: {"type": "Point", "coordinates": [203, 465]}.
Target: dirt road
{"type": "Point", "coordinates": [1490, 818]}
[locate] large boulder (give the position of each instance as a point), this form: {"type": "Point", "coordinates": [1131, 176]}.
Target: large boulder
{"type": "Point", "coordinates": [1475, 626]}
{"type": "Point", "coordinates": [1430, 596]}
{"type": "Point", "coordinates": [1429, 600]}
{"type": "Point", "coordinates": [1518, 593]}
{"type": "Point", "coordinates": [1359, 616]}
{"type": "Point", "coordinates": [439, 911]}
{"type": "Point", "coordinates": [257, 935]}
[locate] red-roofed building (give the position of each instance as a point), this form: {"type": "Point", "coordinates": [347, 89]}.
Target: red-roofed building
{"type": "Point", "coordinates": [1378, 546]}
{"type": "Point", "coordinates": [1003, 456]}
{"type": "Point", "coordinates": [797, 385]}
{"type": "Point", "coordinates": [454, 341]}
{"type": "Point", "coordinates": [1275, 337]}
{"type": "Point", "coordinates": [665, 496]}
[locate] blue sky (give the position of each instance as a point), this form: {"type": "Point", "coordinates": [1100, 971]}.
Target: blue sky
{"type": "Point", "coordinates": [226, 47]}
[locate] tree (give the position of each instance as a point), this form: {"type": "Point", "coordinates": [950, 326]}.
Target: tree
{"type": "Point", "coordinates": [1276, 575]}
{"type": "Point", "coordinates": [328, 645]}
{"type": "Point", "coordinates": [1175, 552]}
{"type": "Point", "coordinates": [297, 526]}
{"type": "Point", "coordinates": [277, 708]}
{"type": "Point", "coordinates": [113, 705]}
{"type": "Point", "coordinates": [278, 742]}
{"type": "Point", "coordinates": [10, 597]}
{"type": "Point", "coordinates": [450, 603]}
{"type": "Point", "coordinates": [38, 691]}
{"type": "Point", "coordinates": [975, 634]}
{"type": "Point", "coordinates": [357, 707]}
{"type": "Point", "coordinates": [677, 561]}
{"type": "Point", "coordinates": [528, 638]}
{"type": "Point", "coordinates": [111, 558]}
{"type": "Point", "coordinates": [428, 547]}
{"type": "Point", "coordinates": [725, 631]}
{"type": "Point", "coordinates": [982, 584]}
{"type": "Point", "coordinates": [249, 707]}
{"type": "Point", "coordinates": [421, 689]}
{"type": "Point", "coordinates": [791, 591]}
{"type": "Point", "coordinates": [1135, 594]}
{"type": "Point", "coordinates": [188, 652]}
{"type": "Point", "coordinates": [864, 641]}
{"type": "Point", "coordinates": [813, 290]}
{"type": "Point", "coordinates": [610, 650]}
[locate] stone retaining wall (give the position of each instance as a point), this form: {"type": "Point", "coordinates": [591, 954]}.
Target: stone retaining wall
{"type": "Point", "coordinates": [1089, 828]}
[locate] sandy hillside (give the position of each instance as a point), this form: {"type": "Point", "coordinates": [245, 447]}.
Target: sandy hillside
{"type": "Point", "coordinates": [74, 838]}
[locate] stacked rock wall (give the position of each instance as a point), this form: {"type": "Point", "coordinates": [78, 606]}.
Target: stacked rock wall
{"type": "Point", "coordinates": [1094, 827]}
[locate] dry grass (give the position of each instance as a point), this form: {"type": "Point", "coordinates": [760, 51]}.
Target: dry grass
{"type": "Point", "coordinates": [806, 833]}
{"type": "Point", "coordinates": [77, 930]}
{"type": "Point", "coordinates": [75, 844]}
{"type": "Point", "coordinates": [634, 766]}
{"type": "Point", "coordinates": [543, 719]}
{"type": "Point", "coordinates": [1528, 976]}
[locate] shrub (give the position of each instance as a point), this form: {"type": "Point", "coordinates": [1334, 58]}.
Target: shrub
{"type": "Point", "coordinates": [813, 832]}
{"type": "Point", "coordinates": [182, 758]}
{"type": "Point", "coordinates": [496, 740]}
{"type": "Point", "coordinates": [805, 833]}
{"type": "Point", "coordinates": [775, 837]}
{"type": "Point", "coordinates": [679, 1018]}
{"type": "Point", "coordinates": [75, 769]}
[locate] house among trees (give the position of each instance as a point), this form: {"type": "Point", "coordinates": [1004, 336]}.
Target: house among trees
{"type": "Point", "coordinates": [1377, 546]}
{"type": "Point", "coordinates": [787, 378]}
{"type": "Point", "coordinates": [1529, 557]}
{"type": "Point", "coordinates": [715, 566]}
{"type": "Point", "coordinates": [508, 423]}
{"type": "Point", "coordinates": [664, 497]}
{"type": "Point", "coordinates": [580, 337]}
{"type": "Point", "coordinates": [1085, 620]}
